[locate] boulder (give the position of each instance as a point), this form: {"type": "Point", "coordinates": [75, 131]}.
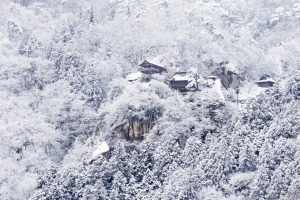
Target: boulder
{"type": "Point", "coordinates": [228, 78]}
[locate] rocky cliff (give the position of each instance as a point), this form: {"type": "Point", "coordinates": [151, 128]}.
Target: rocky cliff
{"type": "Point", "coordinates": [228, 78]}
{"type": "Point", "coordinates": [136, 129]}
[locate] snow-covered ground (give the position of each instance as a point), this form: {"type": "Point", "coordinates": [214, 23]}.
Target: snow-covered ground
{"type": "Point", "coordinates": [102, 148]}
{"type": "Point", "coordinates": [250, 91]}
{"type": "Point", "coordinates": [61, 60]}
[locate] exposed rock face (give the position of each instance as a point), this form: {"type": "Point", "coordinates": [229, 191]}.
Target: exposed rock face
{"type": "Point", "coordinates": [228, 78]}
{"type": "Point", "coordinates": [136, 129]}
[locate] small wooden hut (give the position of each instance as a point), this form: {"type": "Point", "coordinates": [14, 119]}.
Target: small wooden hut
{"type": "Point", "coordinates": [182, 82]}
{"type": "Point", "coordinates": [151, 67]}
{"type": "Point", "coordinates": [265, 81]}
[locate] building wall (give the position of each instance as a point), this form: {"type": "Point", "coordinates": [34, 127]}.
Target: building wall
{"type": "Point", "coordinates": [267, 84]}
{"type": "Point", "coordinates": [179, 85]}
{"type": "Point", "coordinates": [149, 69]}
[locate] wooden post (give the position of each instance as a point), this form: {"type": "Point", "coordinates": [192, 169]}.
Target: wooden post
{"type": "Point", "coordinates": [237, 90]}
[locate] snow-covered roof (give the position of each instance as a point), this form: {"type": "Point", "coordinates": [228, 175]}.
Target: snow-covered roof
{"type": "Point", "coordinates": [103, 148]}
{"type": "Point", "coordinates": [155, 61]}
{"type": "Point", "coordinates": [160, 60]}
{"type": "Point", "coordinates": [180, 73]}
{"type": "Point", "coordinates": [134, 76]}
{"type": "Point", "coordinates": [266, 78]}
{"type": "Point", "coordinates": [182, 77]}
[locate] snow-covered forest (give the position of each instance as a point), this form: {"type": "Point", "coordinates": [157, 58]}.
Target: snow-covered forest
{"type": "Point", "coordinates": [64, 91]}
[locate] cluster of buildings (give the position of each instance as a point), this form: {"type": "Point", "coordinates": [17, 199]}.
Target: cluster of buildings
{"type": "Point", "coordinates": [181, 81]}
{"type": "Point", "coordinates": [184, 81]}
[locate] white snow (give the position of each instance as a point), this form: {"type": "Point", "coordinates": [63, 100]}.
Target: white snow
{"type": "Point", "coordinates": [158, 60]}
{"type": "Point", "coordinates": [103, 148]}
{"type": "Point", "coordinates": [134, 76]}
{"type": "Point", "coordinates": [232, 66]}
{"type": "Point", "coordinates": [155, 61]}
{"type": "Point", "coordinates": [266, 80]}
{"type": "Point", "coordinates": [178, 34]}
{"type": "Point", "coordinates": [296, 9]}
{"type": "Point", "coordinates": [185, 77]}
{"type": "Point", "coordinates": [218, 88]}
{"type": "Point", "coordinates": [250, 91]}
{"type": "Point", "coordinates": [239, 177]}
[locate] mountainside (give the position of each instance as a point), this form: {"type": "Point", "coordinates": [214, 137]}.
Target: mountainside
{"type": "Point", "coordinates": [255, 156]}
{"type": "Point", "coordinates": [64, 92]}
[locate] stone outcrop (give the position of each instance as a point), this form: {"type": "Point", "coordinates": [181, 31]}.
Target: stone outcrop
{"type": "Point", "coordinates": [136, 129]}
{"type": "Point", "coordinates": [228, 78]}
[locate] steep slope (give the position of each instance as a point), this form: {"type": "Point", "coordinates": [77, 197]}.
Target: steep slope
{"type": "Point", "coordinates": [256, 156]}
{"type": "Point", "coordinates": [143, 169]}
{"type": "Point", "coordinates": [60, 58]}
{"type": "Point", "coordinates": [266, 141]}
